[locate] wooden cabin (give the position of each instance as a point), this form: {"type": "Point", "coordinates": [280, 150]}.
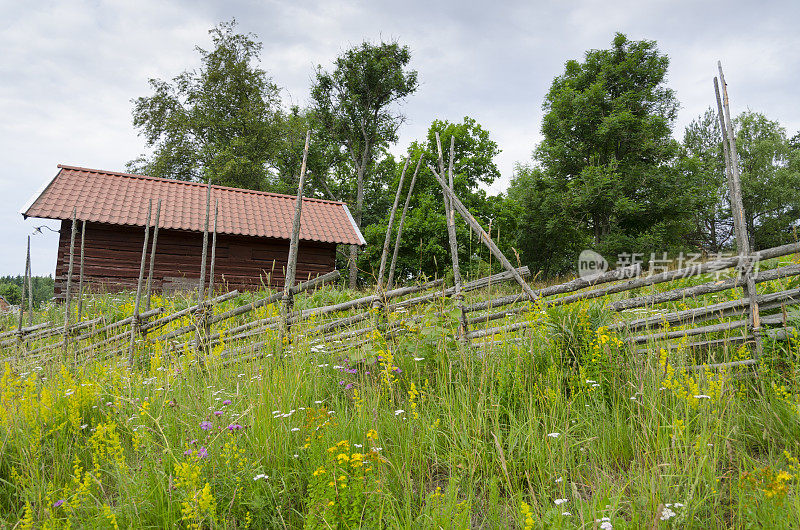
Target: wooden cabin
{"type": "Point", "coordinates": [253, 231]}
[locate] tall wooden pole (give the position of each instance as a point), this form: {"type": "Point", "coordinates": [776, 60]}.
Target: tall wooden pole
{"type": "Point", "coordinates": [458, 297]}
{"type": "Point", "coordinates": [291, 262]}
{"type": "Point", "coordinates": [24, 285]}
{"type": "Point", "coordinates": [388, 237]}
{"type": "Point", "coordinates": [30, 285]}
{"type": "Point", "coordinates": [80, 281]}
{"type": "Point", "coordinates": [737, 208]}
{"type": "Point", "coordinates": [69, 280]}
{"type": "Point", "coordinates": [202, 285]}
{"type": "Point", "coordinates": [152, 257]}
{"type": "Point", "coordinates": [390, 280]}
{"type": "Point", "coordinates": [135, 322]}
{"type": "Point", "coordinates": [213, 250]}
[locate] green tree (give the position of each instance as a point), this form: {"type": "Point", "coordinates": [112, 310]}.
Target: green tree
{"type": "Point", "coordinates": [353, 106]}
{"type": "Point", "coordinates": [770, 180]}
{"type": "Point", "coordinates": [607, 166]}
{"type": "Point", "coordinates": [424, 248]}
{"type": "Point", "coordinates": [703, 163]}
{"type": "Point", "coordinates": [217, 122]}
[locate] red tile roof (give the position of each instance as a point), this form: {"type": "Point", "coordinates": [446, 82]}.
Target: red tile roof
{"type": "Point", "coordinates": [122, 198]}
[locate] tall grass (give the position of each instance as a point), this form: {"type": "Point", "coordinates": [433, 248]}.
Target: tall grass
{"type": "Point", "coordinates": [561, 425]}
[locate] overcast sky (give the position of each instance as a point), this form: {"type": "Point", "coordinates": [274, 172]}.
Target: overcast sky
{"type": "Point", "coordinates": [68, 70]}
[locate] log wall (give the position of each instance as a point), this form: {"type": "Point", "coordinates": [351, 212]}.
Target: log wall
{"type": "Point", "coordinates": [113, 254]}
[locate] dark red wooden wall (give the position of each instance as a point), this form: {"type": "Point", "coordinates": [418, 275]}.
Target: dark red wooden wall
{"type": "Point", "coordinates": [112, 255]}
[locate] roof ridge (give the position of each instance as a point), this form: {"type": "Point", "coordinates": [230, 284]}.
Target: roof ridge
{"type": "Point", "coordinates": [192, 183]}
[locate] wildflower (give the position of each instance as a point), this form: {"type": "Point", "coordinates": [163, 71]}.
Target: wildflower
{"type": "Point", "coordinates": [419, 358]}
{"type": "Point", "coordinates": [217, 413]}
{"type": "Point", "coordinates": [372, 434]}
{"type": "Point", "coordinates": [205, 425]}
{"type": "Point", "coordinates": [202, 452]}
{"type": "Point", "coordinates": [554, 435]}
{"type": "Point", "coordinates": [667, 514]}
{"type": "Point", "coordinates": [69, 393]}
{"type": "Point", "coordinates": [260, 476]}
{"type": "Point", "coordinates": [226, 402]}
{"type": "Point", "coordinates": [348, 386]}
{"type": "Point", "coordinates": [559, 502]}
{"type": "Point", "coordinates": [188, 452]}
{"type": "Point", "coordinates": [58, 503]}
{"type": "Point", "coordinates": [398, 412]}
{"type": "Point", "coordinates": [702, 396]}
{"type": "Point", "coordinates": [318, 402]}
{"type": "Point", "coordinates": [566, 514]}
{"type": "Point", "coordinates": [295, 429]}
{"type": "Point", "coordinates": [234, 427]}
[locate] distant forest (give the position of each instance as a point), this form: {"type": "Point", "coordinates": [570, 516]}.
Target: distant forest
{"type": "Point", "coordinates": [11, 289]}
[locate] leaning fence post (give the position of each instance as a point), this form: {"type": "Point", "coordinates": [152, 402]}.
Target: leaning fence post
{"type": "Point", "coordinates": [80, 281]}
{"type": "Point", "coordinates": [291, 263]}
{"type": "Point", "coordinates": [484, 237]}
{"type": "Point", "coordinates": [69, 281]}
{"type": "Point", "coordinates": [390, 280]}
{"type": "Point", "coordinates": [737, 207]}
{"type": "Point", "coordinates": [24, 282]}
{"type": "Point", "coordinates": [198, 342]}
{"type": "Point", "coordinates": [152, 257]}
{"type": "Point", "coordinates": [135, 324]}
{"type": "Point", "coordinates": [30, 285]}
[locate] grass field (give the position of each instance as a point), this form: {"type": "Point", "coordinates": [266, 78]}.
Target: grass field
{"type": "Point", "coordinates": [560, 425]}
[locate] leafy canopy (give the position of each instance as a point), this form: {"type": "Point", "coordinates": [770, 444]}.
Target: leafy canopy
{"type": "Point", "coordinates": [217, 122]}
{"type": "Point", "coordinates": [605, 172]}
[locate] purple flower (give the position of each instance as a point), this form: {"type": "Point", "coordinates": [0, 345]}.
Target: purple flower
{"type": "Point", "coordinates": [217, 413]}
{"type": "Point", "coordinates": [348, 386]}
{"type": "Point", "coordinates": [193, 442]}
{"type": "Point", "coordinates": [234, 427]}
{"type": "Point", "coordinates": [188, 452]}
{"type": "Point", "coordinates": [352, 371]}
{"type": "Point", "coordinates": [203, 452]}
{"type": "Point", "coordinates": [397, 370]}
{"type": "Point", "coordinates": [366, 373]}
{"type": "Point", "coordinates": [226, 402]}
{"type": "Point", "coordinates": [205, 425]}
{"type": "Point", "coordinates": [58, 503]}
{"type": "Point", "coordinates": [341, 382]}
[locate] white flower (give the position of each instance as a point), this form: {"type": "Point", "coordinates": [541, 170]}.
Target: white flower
{"type": "Point", "coordinates": [678, 505]}
{"type": "Point", "coordinates": [419, 358]}
{"type": "Point", "coordinates": [595, 385]}
{"type": "Point", "coordinates": [554, 435]}
{"type": "Point", "coordinates": [318, 402]}
{"type": "Point", "coordinates": [69, 392]}
{"type": "Point", "coordinates": [358, 445]}
{"type": "Point", "coordinates": [260, 476]}
{"type": "Point", "coordinates": [84, 425]}
{"type": "Point", "coordinates": [296, 429]}
{"type": "Point", "coordinates": [559, 502]}
{"type": "Point", "coordinates": [702, 396]}
{"type": "Point", "coordinates": [590, 381]}
{"type": "Point", "coordinates": [605, 525]}
{"type": "Point", "coordinates": [398, 412]}
{"type": "Point", "coordinates": [566, 514]}
{"type": "Point", "coordinates": [667, 514]}
{"type": "Point", "coordinates": [558, 480]}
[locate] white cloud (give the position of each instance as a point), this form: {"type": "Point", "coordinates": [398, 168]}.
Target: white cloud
{"type": "Point", "coordinates": [70, 69]}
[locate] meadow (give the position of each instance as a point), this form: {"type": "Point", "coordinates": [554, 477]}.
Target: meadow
{"type": "Point", "coordinates": [559, 425]}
